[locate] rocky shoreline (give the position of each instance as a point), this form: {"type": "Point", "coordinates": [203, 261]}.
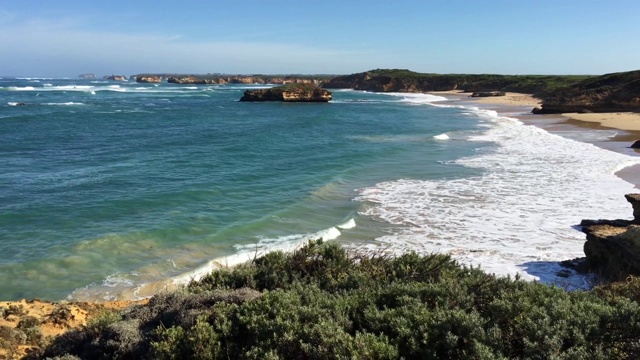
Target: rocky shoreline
{"type": "Point", "coordinates": [612, 248]}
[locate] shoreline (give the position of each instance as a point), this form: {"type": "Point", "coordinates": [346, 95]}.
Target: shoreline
{"type": "Point", "coordinates": [519, 105]}
{"type": "Point", "coordinates": [511, 105]}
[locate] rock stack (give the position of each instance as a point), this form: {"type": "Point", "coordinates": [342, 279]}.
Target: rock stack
{"type": "Point", "coordinates": [613, 246]}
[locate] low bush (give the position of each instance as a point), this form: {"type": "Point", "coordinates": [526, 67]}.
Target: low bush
{"type": "Point", "coordinates": [320, 302]}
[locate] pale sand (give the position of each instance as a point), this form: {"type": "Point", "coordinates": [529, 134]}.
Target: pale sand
{"type": "Point", "coordinates": [629, 121]}
{"type": "Point", "coordinates": [509, 99]}
{"type": "Point", "coordinates": [620, 120]}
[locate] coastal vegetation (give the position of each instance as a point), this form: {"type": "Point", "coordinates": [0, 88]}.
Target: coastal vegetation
{"type": "Point", "coordinates": [403, 80]}
{"type": "Point", "coordinates": [323, 301]}
{"type": "Point", "coordinates": [560, 93]}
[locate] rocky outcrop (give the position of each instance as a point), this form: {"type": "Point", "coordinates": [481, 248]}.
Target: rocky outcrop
{"type": "Point", "coordinates": [116, 77]}
{"type": "Point", "coordinates": [488, 93]}
{"type": "Point", "coordinates": [149, 79]}
{"type": "Point", "coordinates": [636, 145]}
{"type": "Point", "coordinates": [236, 79]}
{"type": "Point", "coordinates": [87, 76]}
{"type": "Point", "coordinates": [612, 248]}
{"type": "Point", "coordinates": [607, 93]}
{"type": "Point", "coordinates": [289, 93]}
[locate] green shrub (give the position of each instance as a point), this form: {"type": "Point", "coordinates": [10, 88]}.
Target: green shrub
{"type": "Point", "coordinates": [320, 302]}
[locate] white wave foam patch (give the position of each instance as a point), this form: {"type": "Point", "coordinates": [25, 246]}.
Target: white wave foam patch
{"type": "Point", "coordinates": [13, 103]}
{"type": "Point", "coordinates": [441, 137]}
{"type": "Point", "coordinates": [350, 224]}
{"type": "Point", "coordinates": [69, 103]}
{"type": "Point", "coordinates": [249, 252]}
{"type": "Point", "coordinates": [518, 217]}
{"type": "Point", "coordinates": [21, 88]}
{"type": "Point", "coordinates": [418, 99]}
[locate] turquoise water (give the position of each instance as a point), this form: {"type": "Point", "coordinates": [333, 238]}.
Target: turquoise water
{"type": "Point", "coordinates": [105, 186]}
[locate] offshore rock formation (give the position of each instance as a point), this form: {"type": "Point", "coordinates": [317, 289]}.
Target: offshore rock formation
{"type": "Point", "coordinates": [488, 93]}
{"type": "Point", "coordinates": [116, 77]}
{"type": "Point", "coordinates": [613, 246]}
{"type": "Point", "coordinates": [149, 78]}
{"type": "Point", "coordinates": [289, 93]}
{"type": "Point", "coordinates": [87, 76]}
{"type": "Point", "coordinates": [607, 93]}
{"type": "Point", "coordinates": [236, 79]}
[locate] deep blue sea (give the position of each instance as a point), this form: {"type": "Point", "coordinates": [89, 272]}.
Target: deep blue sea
{"type": "Point", "coordinates": [114, 190]}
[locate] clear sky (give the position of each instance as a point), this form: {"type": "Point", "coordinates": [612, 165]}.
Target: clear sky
{"type": "Point", "coordinates": [61, 38]}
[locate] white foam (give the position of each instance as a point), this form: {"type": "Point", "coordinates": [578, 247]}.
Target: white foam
{"type": "Point", "coordinates": [21, 88]}
{"type": "Point", "coordinates": [69, 103]}
{"type": "Point", "coordinates": [249, 252]}
{"type": "Point", "coordinates": [350, 224]}
{"type": "Point", "coordinates": [517, 218]}
{"type": "Point", "coordinates": [13, 103]}
{"type": "Point", "coordinates": [441, 137]}
{"type": "Point", "coordinates": [418, 98]}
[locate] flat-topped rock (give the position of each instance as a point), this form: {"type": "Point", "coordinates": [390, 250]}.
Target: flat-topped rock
{"type": "Point", "coordinates": [612, 248]}
{"type": "Point", "coordinates": [289, 93]}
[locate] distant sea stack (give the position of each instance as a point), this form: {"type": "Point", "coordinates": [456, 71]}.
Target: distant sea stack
{"type": "Point", "coordinates": [87, 76]}
{"type": "Point", "coordinates": [116, 77]}
{"type": "Point", "coordinates": [289, 93]}
{"type": "Point", "coordinates": [149, 78]}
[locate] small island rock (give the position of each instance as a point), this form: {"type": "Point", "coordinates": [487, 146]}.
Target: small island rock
{"type": "Point", "coordinates": [289, 93]}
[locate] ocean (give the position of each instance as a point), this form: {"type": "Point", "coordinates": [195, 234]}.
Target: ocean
{"type": "Point", "coordinates": [117, 190]}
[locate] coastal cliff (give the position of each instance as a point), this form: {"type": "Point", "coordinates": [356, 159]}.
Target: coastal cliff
{"type": "Point", "coordinates": [289, 93]}
{"type": "Point", "coordinates": [394, 80]}
{"type": "Point", "coordinates": [606, 93]}
{"type": "Point", "coordinates": [221, 79]}
{"type": "Point", "coordinates": [612, 248]}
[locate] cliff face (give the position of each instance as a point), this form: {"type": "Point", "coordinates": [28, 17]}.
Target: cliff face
{"type": "Point", "coordinates": [240, 79]}
{"type": "Point", "coordinates": [289, 93]}
{"type": "Point", "coordinates": [613, 246]}
{"type": "Point", "coordinates": [393, 80]}
{"type": "Point", "coordinates": [149, 79]}
{"type": "Point", "coordinates": [606, 93]}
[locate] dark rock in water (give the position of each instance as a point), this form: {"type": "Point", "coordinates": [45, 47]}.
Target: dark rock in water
{"type": "Point", "coordinates": [116, 77]}
{"type": "Point", "coordinates": [636, 145]}
{"type": "Point", "coordinates": [613, 246]}
{"type": "Point", "coordinates": [488, 93]}
{"type": "Point", "coordinates": [289, 93]}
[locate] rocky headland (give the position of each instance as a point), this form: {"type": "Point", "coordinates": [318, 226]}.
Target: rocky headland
{"type": "Point", "coordinates": [612, 248]}
{"type": "Point", "coordinates": [395, 80]}
{"type": "Point", "coordinates": [289, 93]}
{"type": "Point", "coordinates": [617, 92]}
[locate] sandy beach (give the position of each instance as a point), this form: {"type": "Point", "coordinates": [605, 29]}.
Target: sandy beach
{"type": "Point", "coordinates": [619, 120]}
{"type": "Point", "coordinates": [629, 121]}
{"type": "Point", "coordinates": [509, 99]}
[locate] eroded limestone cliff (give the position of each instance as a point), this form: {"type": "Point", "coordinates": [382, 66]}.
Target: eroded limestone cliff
{"type": "Point", "coordinates": [613, 246]}
{"type": "Point", "coordinates": [289, 93]}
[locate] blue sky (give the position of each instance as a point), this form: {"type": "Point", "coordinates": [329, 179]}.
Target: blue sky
{"type": "Point", "coordinates": [67, 38]}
